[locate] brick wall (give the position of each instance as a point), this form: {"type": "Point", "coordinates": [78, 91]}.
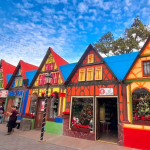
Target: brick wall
{"type": "Point", "coordinates": [67, 132]}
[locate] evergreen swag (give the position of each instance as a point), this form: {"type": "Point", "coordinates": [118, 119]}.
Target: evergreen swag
{"type": "Point", "coordinates": [86, 115]}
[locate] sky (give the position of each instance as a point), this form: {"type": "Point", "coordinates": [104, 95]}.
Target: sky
{"type": "Point", "coordinates": [29, 27]}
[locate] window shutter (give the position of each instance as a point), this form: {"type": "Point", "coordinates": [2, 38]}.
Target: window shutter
{"type": "Point", "coordinates": [46, 67]}
{"type": "Point", "coordinates": [39, 83]}
{"type": "Point", "coordinates": [43, 79]}
{"type": "Point", "coordinates": [52, 81]}
{"type": "Point", "coordinates": [56, 77]}
{"type": "Point", "coordinates": [0, 83]}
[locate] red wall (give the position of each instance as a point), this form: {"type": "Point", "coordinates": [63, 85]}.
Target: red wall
{"type": "Point", "coordinates": [136, 138]}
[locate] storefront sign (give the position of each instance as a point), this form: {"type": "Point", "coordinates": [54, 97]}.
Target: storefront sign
{"type": "Point", "coordinates": [3, 93]}
{"type": "Point", "coordinates": [42, 106]}
{"type": "Point", "coordinates": [106, 91]}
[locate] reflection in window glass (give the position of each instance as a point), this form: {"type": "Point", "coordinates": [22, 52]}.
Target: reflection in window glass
{"type": "Point", "coordinates": [82, 113]}
{"type": "Point", "coordinates": [33, 106]}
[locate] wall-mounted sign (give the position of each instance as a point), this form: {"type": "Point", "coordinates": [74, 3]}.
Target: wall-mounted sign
{"type": "Point", "coordinates": [3, 93]}
{"type": "Point", "coordinates": [106, 91]}
{"type": "Point", "coordinates": [42, 106]}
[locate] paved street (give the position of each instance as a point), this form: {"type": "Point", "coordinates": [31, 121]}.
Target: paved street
{"type": "Point", "coordinates": [28, 140]}
{"type": "Point", "coordinates": [14, 142]}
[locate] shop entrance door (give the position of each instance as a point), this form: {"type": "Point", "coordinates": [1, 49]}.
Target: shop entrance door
{"type": "Point", "coordinates": [39, 113]}
{"type": "Point", "coordinates": [107, 120]}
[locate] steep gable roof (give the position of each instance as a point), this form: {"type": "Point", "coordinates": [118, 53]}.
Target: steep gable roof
{"type": "Point", "coordinates": [141, 51]}
{"type": "Point", "coordinates": [120, 64]}
{"type": "Point", "coordinates": [7, 69]}
{"type": "Point", "coordinates": [58, 60]}
{"type": "Point", "coordinates": [25, 67]}
{"type": "Point", "coordinates": [67, 69]}
{"type": "Point", "coordinates": [89, 48]}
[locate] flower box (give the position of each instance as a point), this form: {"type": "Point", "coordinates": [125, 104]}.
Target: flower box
{"type": "Point", "coordinates": [75, 129]}
{"type": "Point", "coordinates": [28, 117]}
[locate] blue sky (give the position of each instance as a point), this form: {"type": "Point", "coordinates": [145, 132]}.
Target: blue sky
{"type": "Point", "coordinates": [68, 26]}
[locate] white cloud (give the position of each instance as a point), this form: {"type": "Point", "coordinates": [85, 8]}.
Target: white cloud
{"type": "Point", "coordinates": [93, 11]}
{"type": "Point", "coordinates": [46, 10]}
{"type": "Point", "coordinates": [74, 2]}
{"type": "Point", "coordinates": [53, 2]}
{"type": "Point", "coordinates": [81, 26]}
{"type": "Point", "coordinates": [116, 11]}
{"type": "Point", "coordinates": [128, 3]}
{"type": "Point", "coordinates": [149, 2]}
{"type": "Point", "coordinates": [82, 7]}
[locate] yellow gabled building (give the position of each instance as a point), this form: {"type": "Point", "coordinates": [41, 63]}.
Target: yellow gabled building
{"type": "Point", "coordinates": [50, 64]}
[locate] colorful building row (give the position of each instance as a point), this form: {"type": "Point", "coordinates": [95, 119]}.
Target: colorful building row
{"type": "Point", "coordinates": [104, 99]}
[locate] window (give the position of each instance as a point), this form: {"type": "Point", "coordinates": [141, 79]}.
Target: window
{"type": "Point", "coordinates": [82, 75]}
{"type": "Point", "coordinates": [146, 68]}
{"type": "Point", "coordinates": [90, 74]}
{"type": "Point", "coordinates": [16, 82]}
{"type": "Point", "coordinates": [91, 58]}
{"type": "Point", "coordinates": [53, 107]}
{"type": "Point", "coordinates": [49, 66]}
{"type": "Point", "coordinates": [33, 106]}
{"type": "Point", "coordinates": [55, 77]}
{"type": "Point", "coordinates": [82, 113]}
{"type": "Point", "coordinates": [41, 80]}
{"type": "Point", "coordinates": [141, 105]}
{"type": "Point", "coordinates": [98, 73]}
{"type": "Point", "coordinates": [20, 82]}
{"type": "Point", "coordinates": [20, 71]}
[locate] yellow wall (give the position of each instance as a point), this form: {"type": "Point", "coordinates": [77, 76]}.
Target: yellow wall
{"type": "Point", "coordinates": [137, 70]}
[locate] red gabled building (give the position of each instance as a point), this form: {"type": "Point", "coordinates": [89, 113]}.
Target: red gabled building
{"type": "Point", "coordinates": [18, 85]}
{"type": "Point", "coordinates": [5, 69]}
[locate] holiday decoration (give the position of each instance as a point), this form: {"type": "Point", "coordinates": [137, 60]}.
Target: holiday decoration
{"type": "Point", "coordinates": [141, 107]}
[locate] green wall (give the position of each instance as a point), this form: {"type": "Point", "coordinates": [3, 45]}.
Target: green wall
{"type": "Point", "coordinates": [53, 127]}
{"type": "Point", "coordinates": [32, 122]}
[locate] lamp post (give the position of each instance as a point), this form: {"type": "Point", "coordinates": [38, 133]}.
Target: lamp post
{"type": "Point", "coordinates": [48, 78]}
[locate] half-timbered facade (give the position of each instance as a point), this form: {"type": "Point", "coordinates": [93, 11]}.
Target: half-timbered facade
{"type": "Point", "coordinates": [96, 99]}
{"type": "Point", "coordinates": [137, 131]}
{"type": "Point", "coordinates": [50, 64]}
{"type": "Point", "coordinates": [18, 86]}
{"type": "Point", "coordinates": [5, 69]}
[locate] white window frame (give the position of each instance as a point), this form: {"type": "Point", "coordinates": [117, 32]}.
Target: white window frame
{"type": "Point", "coordinates": [87, 74]}
{"type": "Point", "coordinates": [101, 73]}
{"type": "Point", "coordinates": [88, 58]}
{"type": "Point", "coordinates": [79, 75]}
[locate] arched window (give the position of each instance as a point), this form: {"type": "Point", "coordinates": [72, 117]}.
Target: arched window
{"type": "Point", "coordinates": [141, 105]}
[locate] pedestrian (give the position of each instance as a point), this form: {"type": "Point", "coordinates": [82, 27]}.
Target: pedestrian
{"type": "Point", "coordinates": [1, 112]}
{"type": "Point", "coordinates": [15, 124]}
{"type": "Point", "coordinates": [12, 118]}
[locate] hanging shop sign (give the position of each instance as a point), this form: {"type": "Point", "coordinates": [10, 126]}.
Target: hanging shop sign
{"type": "Point", "coordinates": [3, 93]}
{"type": "Point", "coordinates": [106, 91]}
{"type": "Point", "coordinates": [42, 106]}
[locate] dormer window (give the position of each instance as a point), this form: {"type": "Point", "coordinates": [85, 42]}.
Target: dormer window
{"type": "Point", "coordinates": [146, 68]}
{"type": "Point", "coordinates": [90, 58]}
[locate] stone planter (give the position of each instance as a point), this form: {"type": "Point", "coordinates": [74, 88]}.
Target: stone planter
{"type": "Point", "coordinates": [80, 130]}
{"type": "Point", "coordinates": [65, 116]}
{"type": "Point", "coordinates": [28, 117]}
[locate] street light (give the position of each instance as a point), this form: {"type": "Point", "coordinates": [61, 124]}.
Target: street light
{"type": "Point", "coordinates": [48, 78]}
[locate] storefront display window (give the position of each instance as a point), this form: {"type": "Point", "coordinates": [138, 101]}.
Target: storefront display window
{"type": "Point", "coordinates": [53, 107]}
{"type": "Point", "coordinates": [141, 105]}
{"type": "Point", "coordinates": [82, 113]}
{"type": "Point", "coordinates": [33, 106]}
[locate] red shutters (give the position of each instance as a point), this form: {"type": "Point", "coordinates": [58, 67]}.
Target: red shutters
{"type": "Point", "coordinates": [55, 78]}
{"type": "Point", "coordinates": [49, 66]}
{"type": "Point", "coordinates": [41, 79]}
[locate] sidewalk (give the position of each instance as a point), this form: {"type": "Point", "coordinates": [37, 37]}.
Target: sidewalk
{"type": "Point", "coordinates": [69, 142]}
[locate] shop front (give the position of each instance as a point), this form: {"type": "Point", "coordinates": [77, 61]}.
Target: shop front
{"type": "Point", "coordinates": [56, 94]}
{"type": "Point", "coordinates": [137, 131]}
{"type": "Point", "coordinates": [94, 103]}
